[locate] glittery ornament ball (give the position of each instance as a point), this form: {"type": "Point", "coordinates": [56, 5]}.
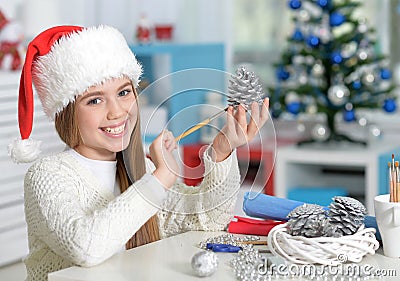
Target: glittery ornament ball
{"type": "Point", "coordinates": [204, 263]}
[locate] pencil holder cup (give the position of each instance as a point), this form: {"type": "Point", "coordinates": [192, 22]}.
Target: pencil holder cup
{"type": "Point", "coordinates": [388, 220]}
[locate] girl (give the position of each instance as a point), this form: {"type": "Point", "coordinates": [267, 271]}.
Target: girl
{"type": "Point", "coordinates": [85, 204]}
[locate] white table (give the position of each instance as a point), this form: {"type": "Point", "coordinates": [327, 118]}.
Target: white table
{"type": "Point", "coordinates": [301, 166]}
{"type": "Point", "coordinates": [169, 259]}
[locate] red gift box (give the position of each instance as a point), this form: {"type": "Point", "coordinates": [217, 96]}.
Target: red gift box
{"type": "Point", "coordinates": [241, 225]}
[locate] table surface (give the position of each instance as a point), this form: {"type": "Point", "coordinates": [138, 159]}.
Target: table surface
{"type": "Point", "coordinates": [169, 259]}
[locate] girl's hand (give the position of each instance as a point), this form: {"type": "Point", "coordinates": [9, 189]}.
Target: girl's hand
{"type": "Point", "coordinates": [236, 131]}
{"type": "Point", "coordinates": [161, 153]}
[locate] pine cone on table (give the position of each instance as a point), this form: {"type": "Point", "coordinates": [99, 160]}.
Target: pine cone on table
{"type": "Point", "coordinates": [347, 214]}
{"type": "Point", "coordinates": [309, 220]}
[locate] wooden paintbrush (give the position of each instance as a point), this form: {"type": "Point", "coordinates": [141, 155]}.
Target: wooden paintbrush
{"type": "Point", "coordinates": [393, 170]}
{"type": "Point", "coordinates": [397, 182]}
{"type": "Point", "coordinates": [391, 183]}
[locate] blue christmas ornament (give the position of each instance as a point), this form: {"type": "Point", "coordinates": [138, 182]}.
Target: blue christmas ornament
{"type": "Point", "coordinates": [313, 41]}
{"type": "Point", "coordinates": [293, 107]}
{"type": "Point", "coordinates": [297, 35]}
{"type": "Point", "coordinates": [336, 19]}
{"type": "Point", "coordinates": [389, 105]}
{"type": "Point", "coordinates": [386, 74]}
{"type": "Point", "coordinates": [357, 85]}
{"type": "Point", "coordinates": [336, 57]}
{"type": "Point", "coordinates": [323, 3]}
{"type": "Point", "coordinates": [282, 74]}
{"type": "Point", "coordinates": [349, 115]}
{"type": "Point", "coordinates": [294, 4]}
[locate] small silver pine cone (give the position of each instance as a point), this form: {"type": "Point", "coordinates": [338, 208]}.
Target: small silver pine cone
{"type": "Point", "coordinates": [347, 214]}
{"type": "Point", "coordinates": [309, 220]}
{"type": "Point", "coordinates": [244, 88]}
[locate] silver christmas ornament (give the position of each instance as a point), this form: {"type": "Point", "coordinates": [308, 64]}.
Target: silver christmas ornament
{"type": "Point", "coordinates": [362, 121]}
{"type": "Point", "coordinates": [245, 88]}
{"type": "Point", "coordinates": [318, 69]}
{"type": "Point", "coordinates": [368, 78]}
{"type": "Point", "coordinates": [291, 97]}
{"type": "Point", "coordinates": [298, 59]}
{"type": "Point", "coordinates": [362, 25]}
{"type": "Point", "coordinates": [204, 263]}
{"type": "Point", "coordinates": [374, 132]}
{"type": "Point", "coordinates": [348, 50]}
{"type": "Point", "coordinates": [338, 94]}
{"type": "Point", "coordinates": [347, 214]}
{"type": "Point", "coordinates": [302, 78]}
{"type": "Point", "coordinates": [363, 53]}
{"type": "Point", "coordinates": [320, 132]}
{"type": "Point", "coordinates": [311, 108]}
{"type": "Point", "coordinates": [303, 16]}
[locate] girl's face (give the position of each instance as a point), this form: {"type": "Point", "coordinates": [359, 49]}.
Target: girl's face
{"type": "Point", "coordinates": [106, 115]}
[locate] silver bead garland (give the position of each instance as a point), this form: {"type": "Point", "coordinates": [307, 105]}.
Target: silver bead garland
{"type": "Point", "coordinates": [250, 265]}
{"type": "Point", "coordinates": [228, 239]}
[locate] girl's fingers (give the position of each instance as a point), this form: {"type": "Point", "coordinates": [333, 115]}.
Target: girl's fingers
{"type": "Point", "coordinates": [240, 117]}
{"type": "Point", "coordinates": [264, 111]}
{"type": "Point", "coordinates": [169, 140]}
{"type": "Point", "coordinates": [254, 124]}
{"type": "Point", "coordinates": [230, 120]}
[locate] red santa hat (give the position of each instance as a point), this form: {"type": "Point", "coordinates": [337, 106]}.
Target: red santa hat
{"type": "Point", "coordinates": [63, 62]}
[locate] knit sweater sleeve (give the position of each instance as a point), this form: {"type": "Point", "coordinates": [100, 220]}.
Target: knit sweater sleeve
{"type": "Point", "coordinates": [208, 206]}
{"type": "Point", "coordinates": [76, 220]}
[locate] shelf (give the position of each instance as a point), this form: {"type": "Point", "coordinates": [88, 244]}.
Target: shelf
{"type": "Point", "coordinates": [361, 170]}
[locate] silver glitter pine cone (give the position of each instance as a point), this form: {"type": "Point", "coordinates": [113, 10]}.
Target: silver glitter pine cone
{"type": "Point", "coordinates": [245, 88]}
{"type": "Point", "coordinates": [347, 214]}
{"type": "Point", "coordinates": [204, 263]}
{"type": "Point", "coordinates": [309, 220]}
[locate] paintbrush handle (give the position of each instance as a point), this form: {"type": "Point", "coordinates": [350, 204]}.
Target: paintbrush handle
{"type": "Point", "coordinates": [397, 191]}
{"type": "Point", "coordinates": [199, 125]}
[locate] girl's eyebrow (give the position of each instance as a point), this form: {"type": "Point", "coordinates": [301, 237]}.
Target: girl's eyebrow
{"type": "Point", "coordinates": [124, 85]}
{"type": "Point", "coordinates": [91, 94]}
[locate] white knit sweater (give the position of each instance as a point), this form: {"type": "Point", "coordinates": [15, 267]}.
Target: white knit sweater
{"type": "Point", "coordinates": [72, 221]}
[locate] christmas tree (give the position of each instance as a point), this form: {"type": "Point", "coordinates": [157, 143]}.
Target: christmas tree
{"type": "Point", "coordinates": [331, 67]}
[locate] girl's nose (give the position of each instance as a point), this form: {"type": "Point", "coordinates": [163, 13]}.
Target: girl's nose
{"type": "Point", "coordinates": [115, 109]}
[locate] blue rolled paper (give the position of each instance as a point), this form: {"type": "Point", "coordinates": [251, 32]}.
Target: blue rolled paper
{"type": "Point", "coordinates": [265, 206]}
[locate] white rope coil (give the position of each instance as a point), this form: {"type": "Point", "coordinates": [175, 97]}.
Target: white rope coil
{"type": "Point", "coordinates": [322, 250]}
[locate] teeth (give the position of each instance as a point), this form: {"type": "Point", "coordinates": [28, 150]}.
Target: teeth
{"type": "Point", "coordinates": [115, 130]}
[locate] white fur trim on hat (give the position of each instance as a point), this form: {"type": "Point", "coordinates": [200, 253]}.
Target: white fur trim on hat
{"type": "Point", "coordinates": [24, 151]}
{"type": "Point", "coordinates": [79, 61]}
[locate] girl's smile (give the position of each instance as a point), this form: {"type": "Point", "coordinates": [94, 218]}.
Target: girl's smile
{"type": "Point", "coordinates": [115, 131]}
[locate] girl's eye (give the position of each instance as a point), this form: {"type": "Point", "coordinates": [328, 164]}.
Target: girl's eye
{"type": "Point", "coordinates": [124, 93]}
{"type": "Point", "coordinates": [94, 101]}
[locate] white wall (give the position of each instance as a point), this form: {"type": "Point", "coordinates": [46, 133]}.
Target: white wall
{"type": "Point", "coordinates": [195, 21]}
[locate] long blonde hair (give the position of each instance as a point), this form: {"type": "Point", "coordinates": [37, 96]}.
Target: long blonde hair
{"type": "Point", "coordinates": [67, 129]}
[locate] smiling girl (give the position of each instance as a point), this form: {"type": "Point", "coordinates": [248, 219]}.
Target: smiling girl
{"type": "Point", "coordinates": [90, 201]}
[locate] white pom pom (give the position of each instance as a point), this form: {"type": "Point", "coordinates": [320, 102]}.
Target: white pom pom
{"type": "Point", "coordinates": [24, 151]}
